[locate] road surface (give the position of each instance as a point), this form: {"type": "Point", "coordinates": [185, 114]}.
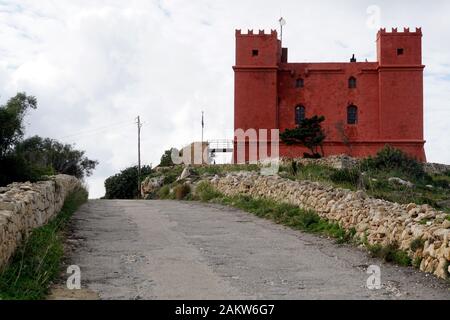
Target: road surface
{"type": "Point", "coordinates": [189, 250]}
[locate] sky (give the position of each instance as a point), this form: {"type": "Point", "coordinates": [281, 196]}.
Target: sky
{"type": "Point", "coordinates": [95, 65]}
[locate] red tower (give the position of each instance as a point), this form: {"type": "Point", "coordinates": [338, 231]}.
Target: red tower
{"type": "Point", "coordinates": [366, 104]}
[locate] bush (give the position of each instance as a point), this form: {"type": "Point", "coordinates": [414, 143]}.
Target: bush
{"type": "Point", "coordinates": [206, 192]}
{"type": "Point", "coordinates": [345, 175]}
{"type": "Point", "coordinates": [390, 158]}
{"type": "Point", "coordinates": [417, 244]}
{"type": "Point", "coordinates": [182, 191]}
{"type": "Point", "coordinates": [390, 253]}
{"type": "Point", "coordinates": [164, 192]}
{"type": "Point", "coordinates": [124, 185]}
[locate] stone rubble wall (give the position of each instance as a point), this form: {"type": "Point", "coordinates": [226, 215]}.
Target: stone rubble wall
{"type": "Point", "coordinates": [337, 161]}
{"type": "Point", "coordinates": [26, 206]}
{"type": "Point", "coordinates": [346, 162]}
{"type": "Point", "coordinates": [379, 221]}
{"type": "Point", "coordinates": [436, 168]}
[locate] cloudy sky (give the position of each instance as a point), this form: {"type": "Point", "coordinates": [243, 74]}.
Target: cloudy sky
{"type": "Point", "coordinates": [94, 65]}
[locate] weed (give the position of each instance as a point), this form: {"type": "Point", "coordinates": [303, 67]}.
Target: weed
{"type": "Point", "coordinates": [182, 191]}
{"type": "Point", "coordinates": [206, 192]}
{"type": "Point", "coordinates": [390, 253]}
{"type": "Point", "coordinates": [164, 192]}
{"type": "Point", "coordinates": [417, 244]}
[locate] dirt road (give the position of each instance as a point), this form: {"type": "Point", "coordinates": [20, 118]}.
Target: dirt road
{"type": "Point", "coordinates": [188, 250]}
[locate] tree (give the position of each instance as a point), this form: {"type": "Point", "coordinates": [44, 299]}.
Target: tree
{"type": "Point", "coordinates": [48, 155]}
{"type": "Point", "coordinates": [309, 133]}
{"type": "Point", "coordinates": [123, 184]}
{"type": "Point", "coordinates": [11, 121]}
{"type": "Point", "coordinates": [166, 159]}
{"type": "Point", "coordinates": [33, 158]}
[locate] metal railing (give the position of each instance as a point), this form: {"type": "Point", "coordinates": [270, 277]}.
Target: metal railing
{"type": "Point", "coordinates": [221, 146]}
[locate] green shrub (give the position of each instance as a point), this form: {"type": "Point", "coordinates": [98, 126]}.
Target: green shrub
{"type": "Point", "coordinates": [345, 176]}
{"type": "Point", "coordinates": [124, 185]}
{"type": "Point", "coordinates": [182, 191]}
{"type": "Point", "coordinates": [390, 158]}
{"type": "Point", "coordinates": [172, 175]}
{"type": "Point", "coordinates": [417, 244]}
{"type": "Point", "coordinates": [164, 192]}
{"type": "Point", "coordinates": [390, 253]}
{"type": "Point", "coordinates": [416, 262]}
{"type": "Point", "coordinates": [206, 192]}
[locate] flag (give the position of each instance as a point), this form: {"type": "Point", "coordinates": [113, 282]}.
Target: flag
{"type": "Point", "coordinates": [203, 120]}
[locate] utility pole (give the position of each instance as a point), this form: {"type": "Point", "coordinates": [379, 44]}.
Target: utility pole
{"type": "Point", "coordinates": [139, 125]}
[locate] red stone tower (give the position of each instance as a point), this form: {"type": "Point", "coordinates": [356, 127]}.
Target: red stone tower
{"type": "Point", "coordinates": [401, 87]}
{"type": "Point", "coordinates": [366, 104]}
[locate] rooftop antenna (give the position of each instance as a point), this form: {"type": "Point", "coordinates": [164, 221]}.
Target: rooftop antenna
{"type": "Point", "coordinates": [282, 24]}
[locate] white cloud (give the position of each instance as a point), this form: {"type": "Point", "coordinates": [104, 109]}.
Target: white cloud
{"type": "Point", "coordinates": [98, 64]}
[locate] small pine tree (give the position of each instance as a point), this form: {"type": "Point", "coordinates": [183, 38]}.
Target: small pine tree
{"type": "Point", "coordinates": [309, 133]}
{"type": "Point", "coordinates": [166, 159]}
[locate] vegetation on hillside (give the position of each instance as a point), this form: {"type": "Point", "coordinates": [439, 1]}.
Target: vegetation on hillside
{"type": "Point", "coordinates": [124, 185]}
{"type": "Point", "coordinates": [166, 159]}
{"type": "Point", "coordinates": [373, 175]}
{"type": "Point", "coordinates": [32, 159]}
{"type": "Point", "coordinates": [37, 262]}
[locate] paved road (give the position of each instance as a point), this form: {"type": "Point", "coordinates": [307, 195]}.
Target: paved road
{"type": "Point", "coordinates": [187, 250]}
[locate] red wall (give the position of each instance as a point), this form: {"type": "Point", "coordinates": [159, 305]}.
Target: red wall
{"type": "Point", "coordinates": [389, 94]}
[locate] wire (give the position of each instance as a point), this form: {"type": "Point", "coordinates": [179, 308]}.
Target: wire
{"type": "Point", "coordinates": [96, 130]}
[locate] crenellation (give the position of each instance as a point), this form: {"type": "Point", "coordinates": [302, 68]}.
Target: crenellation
{"type": "Point", "coordinates": [261, 32]}
{"type": "Point", "coordinates": [407, 30]}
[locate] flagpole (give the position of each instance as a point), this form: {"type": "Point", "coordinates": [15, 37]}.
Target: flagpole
{"type": "Point", "coordinates": [203, 125]}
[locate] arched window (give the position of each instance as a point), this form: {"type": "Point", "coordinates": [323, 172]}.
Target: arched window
{"type": "Point", "coordinates": [352, 83]}
{"type": "Point", "coordinates": [299, 114]}
{"type": "Point", "coordinates": [352, 114]}
{"type": "Point", "coordinates": [299, 83]}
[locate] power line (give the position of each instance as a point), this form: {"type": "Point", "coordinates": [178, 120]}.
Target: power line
{"type": "Point", "coordinates": [96, 130]}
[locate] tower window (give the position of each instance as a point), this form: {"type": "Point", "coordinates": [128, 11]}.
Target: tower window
{"type": "Point", "coordinates": [400, 51]}
{"type": "Point", "coordinates": [255, 53]}
{"type": "Point", "coordinates": [299, 114]}
{"type": "Point", "coordinates": [352, 114]}
{"type": "Point", "coordinates": [352, 83]}
{"type": "Point", "coordinates": [299, 83]}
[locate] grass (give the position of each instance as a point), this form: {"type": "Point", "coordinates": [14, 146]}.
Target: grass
{"type": "Point", "coordinates": [390, 253]}
{"type": "Point", "coordinates": [281, 213]}
{"type": "Point", "coordinates": [37, 262]}
{"type": "Point", "coordinates": [417, 244]}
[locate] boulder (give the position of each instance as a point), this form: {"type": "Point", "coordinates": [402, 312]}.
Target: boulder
{"type": "Point", "coordinates": [401, 182]}
{"type": "Point", "coordinates": [149, 185]}
{"type": "Point", "coordinates": [185, 174]}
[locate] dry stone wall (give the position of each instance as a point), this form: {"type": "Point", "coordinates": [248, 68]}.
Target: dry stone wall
{"type": "Point", "coordinates": [26, 206]}
{"type": "Point", "coordinates": [381, 222]}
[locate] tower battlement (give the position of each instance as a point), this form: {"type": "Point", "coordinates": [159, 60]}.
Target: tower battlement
{"type": "Point", "coordinates": [260, 32]}
{"type": "Point", "coordinates": [406, 31]}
